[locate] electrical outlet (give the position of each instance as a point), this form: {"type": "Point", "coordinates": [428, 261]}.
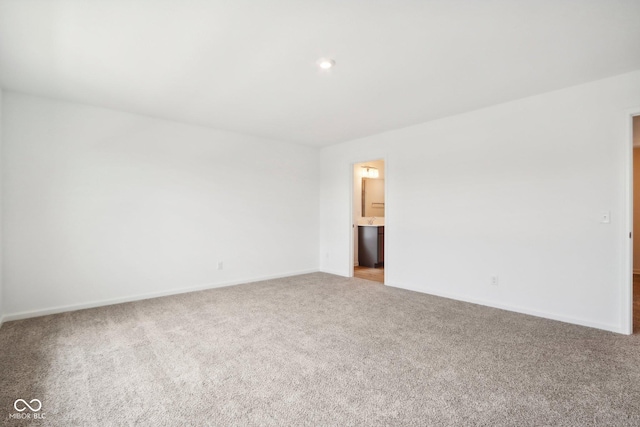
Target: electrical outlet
{"type": "Point", "coordinates": [494, 280]}
{"type": "Point", "coordinates": [220, 265]}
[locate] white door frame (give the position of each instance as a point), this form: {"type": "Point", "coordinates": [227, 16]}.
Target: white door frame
{"type": "Point", "coordinates": [626, 305]}
{"type": "Point", "coordinates": [352, 226]}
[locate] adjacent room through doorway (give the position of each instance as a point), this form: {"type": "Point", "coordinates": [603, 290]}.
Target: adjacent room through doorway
{"type": "Point", "coordinates": [636, 225]}
{"type": "Point", "coordinates": [369, 220]}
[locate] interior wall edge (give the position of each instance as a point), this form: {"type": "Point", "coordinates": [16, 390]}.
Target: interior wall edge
{"type": "Point", "coordinates": [2, 91]}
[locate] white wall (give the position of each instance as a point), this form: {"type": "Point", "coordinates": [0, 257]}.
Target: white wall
{"type": "Point", "coordinates": [515, 190]}
{"type": "Point", "coordinates": [103, 206]}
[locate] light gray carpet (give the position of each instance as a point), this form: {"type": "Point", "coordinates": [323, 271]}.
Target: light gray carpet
{"type": "Point", "coordinates": [316, 349]}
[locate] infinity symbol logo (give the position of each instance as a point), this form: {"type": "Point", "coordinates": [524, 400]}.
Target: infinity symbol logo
{"type": "Point", "coordinates": [26, 405]}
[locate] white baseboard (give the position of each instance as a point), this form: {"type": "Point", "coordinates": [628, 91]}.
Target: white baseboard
{"type": "Point", "coordinates": [131, 298]}
{"type": "Point", "coordinates": [517, 309]}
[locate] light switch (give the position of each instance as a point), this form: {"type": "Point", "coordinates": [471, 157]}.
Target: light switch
{"type": "Point", "coordinates": [605, 218]}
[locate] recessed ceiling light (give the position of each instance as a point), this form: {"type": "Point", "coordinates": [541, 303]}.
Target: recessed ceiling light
{"type": "Point", "coordinates": [326, 63]}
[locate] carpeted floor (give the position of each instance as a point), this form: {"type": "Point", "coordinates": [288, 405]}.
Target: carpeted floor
{"type": "Point", "coordinates": [314, 350]}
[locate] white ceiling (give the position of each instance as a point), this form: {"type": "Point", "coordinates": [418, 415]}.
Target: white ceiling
{"type": "Point", "coordinates": [249, 65]}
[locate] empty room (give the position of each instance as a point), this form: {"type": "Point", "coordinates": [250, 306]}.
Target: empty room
{"type": "Point", "coordinates": [331, 213]}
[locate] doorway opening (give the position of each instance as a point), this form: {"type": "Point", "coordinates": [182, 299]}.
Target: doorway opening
{"type": "Point", "coordinates": [368, 221]}
{"type": "Point", "coordinates": [635, 197]}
